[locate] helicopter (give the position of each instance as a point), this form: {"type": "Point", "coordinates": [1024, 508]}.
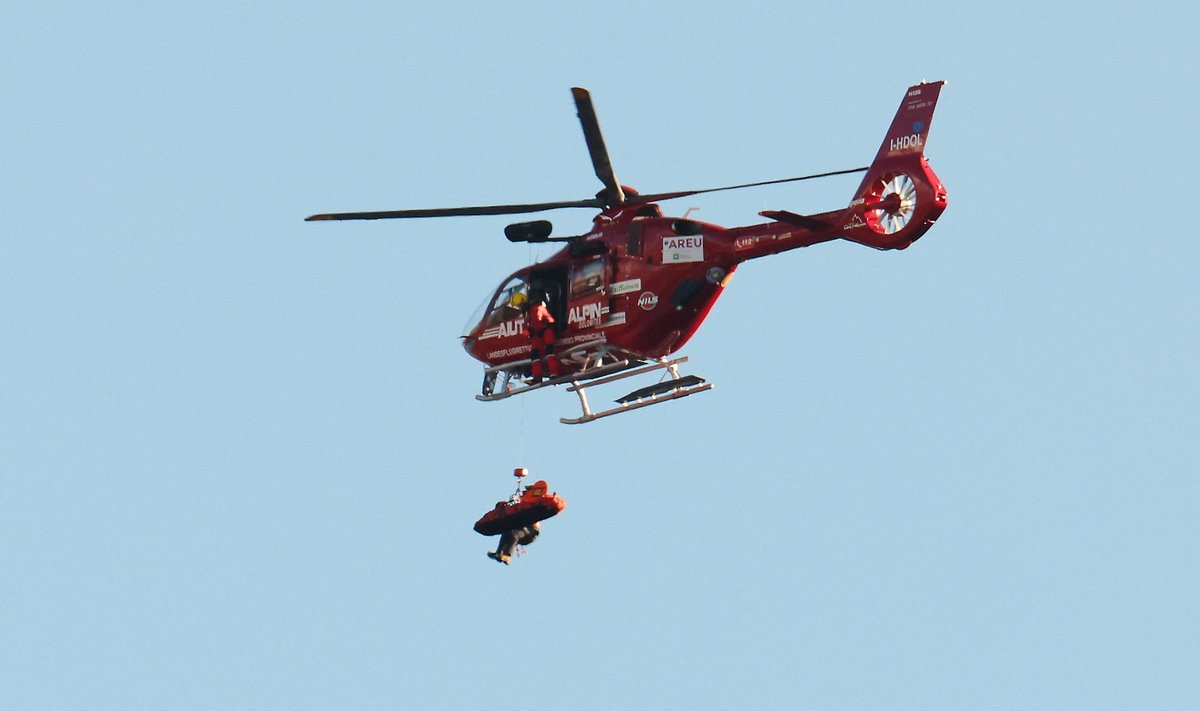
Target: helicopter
{"type": "Point", "coordinates": [627, 295]}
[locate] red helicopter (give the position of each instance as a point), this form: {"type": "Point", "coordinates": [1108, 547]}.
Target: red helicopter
{"type": "Point", "coordinates": [631, 292]}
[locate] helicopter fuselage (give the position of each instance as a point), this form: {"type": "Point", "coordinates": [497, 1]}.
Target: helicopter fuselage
{"type": "Point", "coordinates": [640, 281]}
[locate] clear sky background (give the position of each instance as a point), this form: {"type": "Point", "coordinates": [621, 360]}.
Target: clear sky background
{"type": "Point", "coordinates": [240, 455]}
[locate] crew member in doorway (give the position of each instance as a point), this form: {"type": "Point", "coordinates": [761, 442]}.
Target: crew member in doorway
{"type": "Point", "coordinates": [540, 325]}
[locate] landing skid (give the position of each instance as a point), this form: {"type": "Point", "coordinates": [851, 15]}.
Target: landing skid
{"type": "Point", "coordinates": [506, 380]}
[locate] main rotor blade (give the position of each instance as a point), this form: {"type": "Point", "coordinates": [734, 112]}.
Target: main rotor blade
{"type": "Point", "coordinates": [595, 144]}
{"type": "Point", "coordinates": [457, 211]}
{"type": "Point", "coordinates": [656, 197]}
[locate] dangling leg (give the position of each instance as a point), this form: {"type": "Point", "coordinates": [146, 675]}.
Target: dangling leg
{"type": "Point", "coordinates": [508, 544]}
{"type": "Point", "coordinates": [535, 368]}
{"type": "Point", "coordinates": [551, 360]}
{"type": "Point", "coordinates": [504, 549]}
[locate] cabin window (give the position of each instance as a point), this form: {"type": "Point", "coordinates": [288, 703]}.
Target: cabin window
{"type": "Point", "coordinates": [588, 279]}
{"type": "Point", "coordinates": [633, 245]}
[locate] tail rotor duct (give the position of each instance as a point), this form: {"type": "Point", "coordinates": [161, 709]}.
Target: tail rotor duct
{"type": "Point", "coordinates": [896, 193]}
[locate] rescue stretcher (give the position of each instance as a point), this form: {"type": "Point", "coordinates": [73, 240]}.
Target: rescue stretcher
{"type": "Point", "coordinates": [508, 515]}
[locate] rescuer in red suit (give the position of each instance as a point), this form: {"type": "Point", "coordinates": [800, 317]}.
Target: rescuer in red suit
{"type": "Point", "coordinates": [540, 326]}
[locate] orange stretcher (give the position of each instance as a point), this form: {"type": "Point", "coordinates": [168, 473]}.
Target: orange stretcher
{"type": "Point", "coordinates": [536, 504]}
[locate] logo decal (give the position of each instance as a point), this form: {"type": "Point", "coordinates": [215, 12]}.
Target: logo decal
{"type": "Point", "coordinates": [625, 287]}
{"type": "Point", "coordinates": [586, 315]}
{"type": "Point", "coordinates": [504, 330]}
{"type": "Point", "coordinates": [648, 300]}
{"type": "Point", "coordinates": [677, 250]}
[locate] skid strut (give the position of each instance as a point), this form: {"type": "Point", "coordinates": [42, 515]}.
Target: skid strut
{"type": "Point", "coordinates": [507, 370]}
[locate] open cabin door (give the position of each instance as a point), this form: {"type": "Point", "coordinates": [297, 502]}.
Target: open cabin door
{"type": "Point", "coordinates": [552, 283]}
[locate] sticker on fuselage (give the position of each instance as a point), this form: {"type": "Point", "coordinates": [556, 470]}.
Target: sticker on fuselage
{"type": "Point", "coordinates": [625, 287]}
{"type": "Point", "coordinates": [586, 315]}
{"type": "Point", "coordinates": [678, 250]}
{"type": "Point", "coordinates": [504, 330]}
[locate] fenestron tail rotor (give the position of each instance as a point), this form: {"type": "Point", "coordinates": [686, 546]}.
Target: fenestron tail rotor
{"type": "Point", "coordinates": [896, 195]}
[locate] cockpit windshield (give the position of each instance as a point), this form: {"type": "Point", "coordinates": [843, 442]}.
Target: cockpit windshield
{"type": "Point", "coordinates": [508, 303]}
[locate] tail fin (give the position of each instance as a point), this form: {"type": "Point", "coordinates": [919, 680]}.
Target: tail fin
{"type": "Point", "coordinates": [901, 197]}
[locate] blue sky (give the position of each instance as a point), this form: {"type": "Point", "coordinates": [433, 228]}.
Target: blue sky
{"type": "Point", "coordinates": [240, 457]}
